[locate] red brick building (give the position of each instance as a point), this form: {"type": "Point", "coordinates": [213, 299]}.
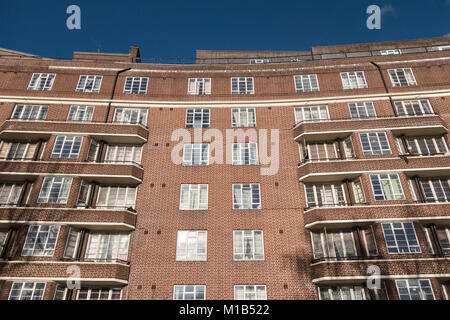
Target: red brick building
{"type": "Point", "coordinates": [98, 187]}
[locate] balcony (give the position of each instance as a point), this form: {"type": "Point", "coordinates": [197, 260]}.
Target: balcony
{"type": "Point", "coordinates": [89, 171]}
{"type": "Point", "coordinates": [334, 170]}
{"type": "Point", "coordinates": [341, 128]}
{"type": "Point", "coordinates": [112, 133]}
{"type": "Point", "coordinates": [95, 272]}
{"type": "Point", "coordinates": [354, 215]}
{"type": "Point", "coordinates": [408, 265]}
{"type": "Point", "coordinates": [93, 219]}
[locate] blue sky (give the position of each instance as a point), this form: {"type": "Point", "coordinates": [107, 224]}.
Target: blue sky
{"type": "Point", "coordinates": [174, 28]}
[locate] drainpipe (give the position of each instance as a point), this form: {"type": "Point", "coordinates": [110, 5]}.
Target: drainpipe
{"type": "Point", "coordinates": [112, 92]}
{"type": "Point", "coordinates": [436, 240]}
{"type": "Point", "coordinates": [419, 188]}
{"type": "Point", "coordinates": [385, 87]}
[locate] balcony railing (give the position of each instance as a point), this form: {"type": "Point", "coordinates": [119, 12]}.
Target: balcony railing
{"type": "Point", "coordinates": [349, 258]}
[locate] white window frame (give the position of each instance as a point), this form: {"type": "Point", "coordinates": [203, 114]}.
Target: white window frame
{"type": "Point", "coordinates": [388, 52]}
{"type": "Point", "coordinates": [193, 149]}
{"type": "Point", "coordinates": [50, 251]}
{"type": "Point", "coordinates": [107, 198]}
{"type": "Point", "coordinates": [339, 288]}
{"type": "Point", "coordinates": [243, 114]}
{"type": "Point", "coordinates": [317, 109]}
{"type": "Point", "coordinates": [364, 110]}
{"type": "Point", "coordinates": [69, 142]}
{"type": "Point", "coordinates": [353, 80]}
{"type": "Point", "coordinates": [133, 81]}
{"type": "Point", "coordinates": [241, 205]}
{"type": "Point", "coordinates": [239, 149]}
{"type": "Point", "coordinates": [372, 150]}
{"type": "Point", "coordinates": [117, 151]}
{"type": "Point", "coordinates": [89, 293]}
{"type": "Point", "coordinates": [113, 242]}
{"type": "Point", "coordinates": [244, 287]}
{"type": "Point", "coordinates": [241, 251]}
{"type": "Point", "coordinates": [192, 235]}
{"type": "Point", "coordinates": [40, 115]}
{"type": "Point", "coordinates": [199, 83]}
{"type": "Point", "coordinates": [141, 117]}
{"type": "Point", "coordinates": [302, 79]}
{"type": "Point", "coordinates": [330, 253]}
{"type": "Point", "coordinates": [80, 113]}
{"type": "Point", "coordinates": [64, 183]}
{"type": "Point", "coordinates": [205, 117]}
{"type": "Point", "coordinates": [190, 189]}
{"type": "Point", "coordinates": [22, 289]}
{"type": "Point", "coordinates": [74, 234]}
{"type": "Point", "coordinates": [14, 151]}
{"type": "Point", "coordinates": [414, 141]}
{"type": "Point", "coordinates": [41, 81]}
{"type": "Point", "coordinates": [183, 288]}
{"type": "Point", "coordinates": [410, 287]}
{"type": "Point", "coordinates": [13, 193]}
{"type": "Point", "coordinates": [434, 192]}
{"type": "Point", "coordinates": [248, 84]}
{"type": "Point", "coordinates": [94, 81]}
{"type": "Point", "coordinates": [412, 249]}
{"type": "Point", "coordinates": [424, 104]}
{"type": "Point", "coordinates": [334, 193]}
{"type": "Point", "coordinates": [387, 178]}
{"type": "Point", "coordinates": [394, 74]}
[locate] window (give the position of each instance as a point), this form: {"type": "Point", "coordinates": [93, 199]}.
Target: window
{"type": "Point", "coordinates": [242, 86]}
{"type": "Point", "coordinates": [61, 292]}
{"type": "Point", "coordinates": [3, 238]}
{"type": "Point", "coordinates": [66, 147]}
{"type": "Point", "coordinates": [413, 108]}
{"type": "Point", "coordinates": [316, 113]}
{"type": "Point", "coordinates": [22, 112]}
{"type": "Point", "coordinates": [353, 80]}
{"type": "Point", "coordinates": [17, 151]}
{"type": "Point", "coordinates": [246, 196]}
{"type": "Point", "coordinates": [130, 116]}
{"type": "Point", "coordinates": [107, 247]}
{"type": "Point", "coordinates": [41, 81]}
{"type": "Point", "coordinates": [436, 190]}
{"type": "Point", "coordinates": [325, 195]}
{"type": "Point", "coordinates": [116, 197]}
{"type": "Point", "coordinates": [136, 85]}
{"type": "Point", "coordinates": [375, 143]}
{"type": "Point", "coordinates": [259, 61]}
{"type": "Point", "coordinates": [80, 113]}
{"type": "Point", "coordinates": [72, 244]}
{"type": "Point", "coordinates": [342, 293]}
{"type": "Point", "coordinates": [10, 193]}
{"type": "Point", "coordinates": [123, 154]}
{"type": "Point", "coordinates": [248, 245]}
{"type": "Point", "coordinates": [243, 117]}
{"type": "Point", "coordinates": [194, 197]}
{"type": "Point", "coordinates": [89, 84]}
{"type": "Point", "coordinates": [99, 294]}
{"type": "Point", "coordinates": [390, 52]}
{"type": "Point", "coordinates": [387, 187]}
{"type": "Point", "coordinates": [55, 190]}
{"type": "Point", "coordinates": [362, 110]}
{"type": "Point", "coordinates": [196, 154]}
{"type": "Point", "coordinates": [40, 241]}
{"type": "Point", "coordinates": [245, 154]}
{"type": "Point", "coordinates": [191, 246]}
{"type": "Point", "coordinates": [401, 237]}
{"type": "Point", "coordinates": [199, 86]}
{"type": "Point", "coordinates": [415, 289]}
{"type": "Point", "coordinates": [306, 83]}
{"type": "Point", "coordinates": [358, 191]}
{"type": "Point", "coordinates": [334, 245]}
{"type": "Point", "coordinates": [326, 151]}
{"type": "Point", "coordinates": [86, 190]}
{"type": "Point", "coordinates": [27, 291]}
{"type": "Point", "coordinates": [197, 118]}
{"type": "Point", "coordinates": [189, 292]}
{"type": "Point", "coordinates": [426, 145]}
{"type": "Point", "coordinates": [443, 235]}
{"type": "Point", "coordinates": [402, 77]}
{"type": "Point", "coordinates": [250, 292]}
{"type": "Point", "coordinates": [341, 244]}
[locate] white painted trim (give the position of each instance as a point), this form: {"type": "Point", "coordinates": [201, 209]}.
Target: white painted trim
{"type": "Point", "coordinates": [379, 260]}
{"type": "Point", "coordinates": [226, 104]}
{"type": "Point", "coordinates": [68, 223]}
{"type": "Point", "coordinates": [391, 276]}
{"type": "Point", "coordinates": [64, 262]}
{"type": "Point", "coordinates": [51, 174]}
{"type": "Point", "coordinates": [29, 279]}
